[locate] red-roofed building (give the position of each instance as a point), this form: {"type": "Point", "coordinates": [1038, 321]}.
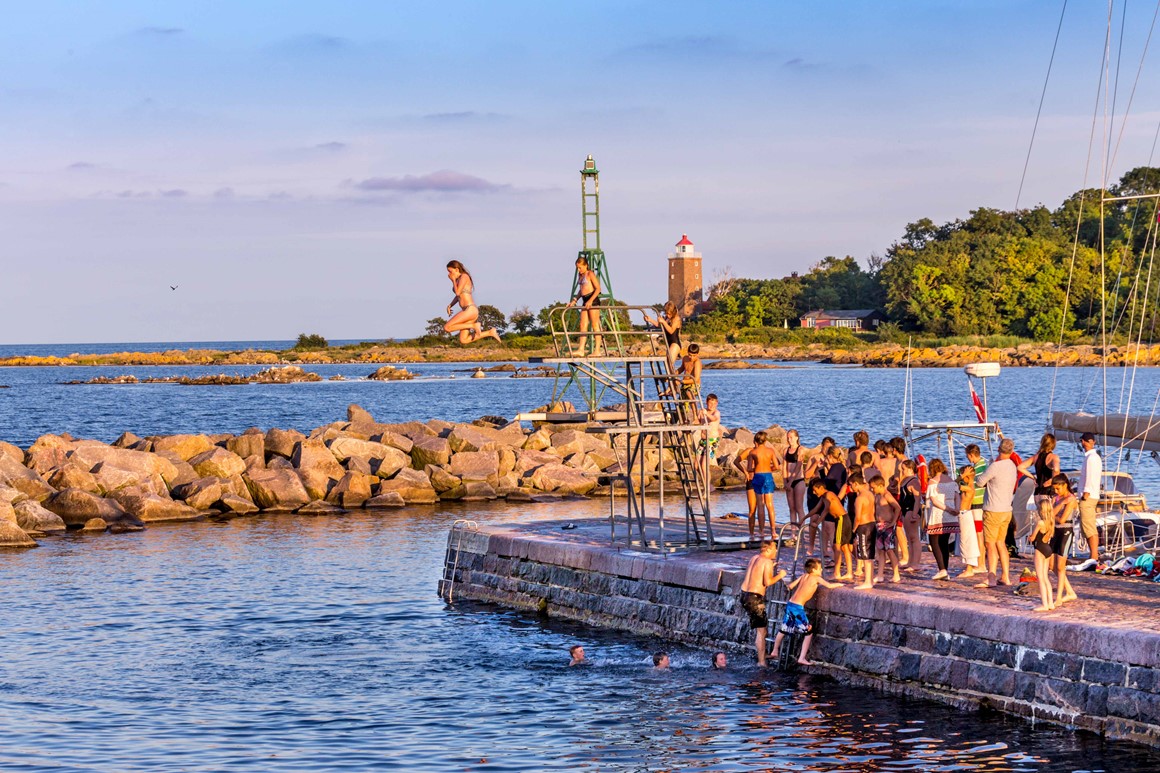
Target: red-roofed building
{"type": "Point", "coordinates": [685, 288]}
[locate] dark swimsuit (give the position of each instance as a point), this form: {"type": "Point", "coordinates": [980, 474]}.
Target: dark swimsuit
{"type": "Point", "coordinates": [792, 456]}
{"type": "Point", "coordinates": [1043, 545]}
{"type": "Point", "coordinates": [1043, 476]}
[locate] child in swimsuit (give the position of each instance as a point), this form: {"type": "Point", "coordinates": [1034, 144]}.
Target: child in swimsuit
{"type": "Point", "coordinates": [712, 417]}
{"type": "Point", "coordinates": [670, 325]}
{"type": "Point", "coordinates": [865, 529]}
{"type": "Point", "coordinates": [761, 462]}
{"type": "Point", "coordinates": [886, 514]}
{"type": "Point", "coordinates": [830, 504]}
{"type": "Point", "coordinates": [588, 299]}
{"type": "Point", "coordinates": [1041, 541]}
{"type": "Point", "coordinates": [466, 320]}
{"type": "Point", "coordinates": [795, 620]}
{"type": "Point", "coordinates": [792, 472]}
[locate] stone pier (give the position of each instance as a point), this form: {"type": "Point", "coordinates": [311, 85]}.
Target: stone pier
{"type": "Point", "coordinates": [1094, 664]}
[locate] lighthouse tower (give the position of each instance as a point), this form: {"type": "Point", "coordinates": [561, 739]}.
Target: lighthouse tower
{"type": "Point", "coordinates": [685, 277]}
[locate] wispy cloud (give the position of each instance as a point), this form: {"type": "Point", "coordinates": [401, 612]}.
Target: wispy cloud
{"type": "Point", "coordinates": [463, 116]}
{"type": "Point", "coordinates": [81, 166]}
{"type": "Point", "coordinates": [332, 147]}
{"type": "Point", "coordinates": [312, 44]}
{"type": "Point", "coordinates": [159, 32]}
{"type": "Point", "coordinates": [699, 48]}
{"type": "Point", "coordinates": [443, 181]}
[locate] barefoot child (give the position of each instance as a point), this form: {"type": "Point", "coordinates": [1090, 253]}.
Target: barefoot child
{"type": "Point", "coordinates": [831, 504]}
{"type": "Point", "coordinates": [865, 529]}
{"type": "Point", "coordinates": [708, 445]}
{"type": "Point", "coordinates": [795, 620]}
{"type": "Point", "coordinates": [759, 576]}
{"type": "Point", "coordinates": [762, 460]}
{"type": "Point", "coordinates": [910, 497]}
{"type": "Point", "coordinates": [886, 514]}
{"type": "Point", "coordinates": [1041, 541]}
{"type": "Point", "coordinates": [1064, 508]}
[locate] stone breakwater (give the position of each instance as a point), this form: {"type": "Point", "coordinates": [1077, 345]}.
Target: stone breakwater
{"type": "Point", "coordinates": [61, 482]}
{"type": "Point", "coordinates": [1094, 664]}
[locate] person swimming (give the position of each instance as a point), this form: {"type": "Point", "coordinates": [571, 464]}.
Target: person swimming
{"type": "Point", "coordinates": [466, 320]}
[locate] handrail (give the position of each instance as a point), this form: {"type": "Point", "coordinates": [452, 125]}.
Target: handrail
{"type": "Point", "coordinates": [614, 336]}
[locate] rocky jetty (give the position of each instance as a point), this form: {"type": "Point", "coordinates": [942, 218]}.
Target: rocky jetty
{"type": "Point", "coordinates": [61, 482]}
{"type": "Point", "coordinates": [286, 374]}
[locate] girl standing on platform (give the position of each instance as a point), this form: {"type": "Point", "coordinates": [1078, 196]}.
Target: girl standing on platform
{"type": "Point", "coordinates": [588, 300]}
{"type": "Point", "coordinates": [792, 470]}
{"type": "Point", "coordinates": [670, 325]}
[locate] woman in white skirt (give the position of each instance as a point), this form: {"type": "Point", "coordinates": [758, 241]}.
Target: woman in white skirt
{"type": "Point", "coordinates": [942, 515]}
{"type": "Point", "coordinates": [968, 537]}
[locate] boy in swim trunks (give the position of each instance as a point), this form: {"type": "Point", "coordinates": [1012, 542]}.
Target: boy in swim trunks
{"type": "Point", "coordinates": [712, 417]}
{"type": "Point", "coordinates": [759, 576]}
{"type": "Point", "coordinates": [690, 372]}
{"type": "Point", "coordinates": [830, 504]}
{"type": "Point", "coordinates": [762, 459]}
{"type": "Point", "coordinates": [887, 511]}
{"type": "Point", "coordinates": [795, 620]}
{"type": "Point", "coordinates": [865, 528]}
{"type": "Point", "coordinates": [742, 465]}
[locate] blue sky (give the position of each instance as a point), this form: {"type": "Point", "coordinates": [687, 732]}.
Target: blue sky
{"type": "Point", "coordinates": [309, 167]}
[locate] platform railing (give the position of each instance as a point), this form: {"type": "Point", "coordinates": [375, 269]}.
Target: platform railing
{"type": "Point", "coordinates": [623, 328]}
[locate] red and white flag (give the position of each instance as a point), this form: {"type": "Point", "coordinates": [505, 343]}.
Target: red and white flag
{"type": "Point", "coordinates": [980, 411]}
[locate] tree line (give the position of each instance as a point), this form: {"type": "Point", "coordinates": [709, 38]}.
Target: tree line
{"type": "Point", "coordinates": [994, 273]}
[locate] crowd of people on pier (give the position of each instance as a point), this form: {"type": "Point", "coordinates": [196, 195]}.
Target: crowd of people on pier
{"type": "Point", "coordinates": [868, 512]}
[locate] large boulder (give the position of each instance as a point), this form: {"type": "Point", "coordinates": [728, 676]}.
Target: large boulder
{"type": "Point", "coordinates": [281, 442]}
{"type": "Point", "coordinates": [218, 463]}
{"type": "Point", "coordinates": [557, 478]}
{"type": "Point", "coordinates": [232, 503]}
{"type": "Point", "coordinates": [11, 535]}
{"type": "Point", "coordinates": [570, 441]}
{"type": "Point", "coordinates": [12, 452]}
{"type": "Point", "coordinates": [538, 440]}
{"type": "Point", "coordinates": [201, 494]}
{"type": "Point", "coordinates": [442, 481]}
{"type": "Point", "coordinates": [185, 446]}
{"type": "Point", "coordinates": [11, 496]}
{"type": "Point", "coordinates": [111, 478]}
{"type": "Point", "coordinates": [17, 476]}
{"type": "Point", "coordinates": [278, 490]}
{"type": "Point", "coordinates": [527, 461]}
{"type": "Point", "coordinates": [35, 519]}
{"type": "Point", "coordinates": [390, 499]}
{"type": "Point", "coordinates": [314, 455]}
{"type": "Point", "coordinates": [351, 491]}
{"type": "Point", "coordinates": [90, 453]}
{"type": "Point", "coordinates": [429, 449]}
{"type": "Point", "coordinates": [72, 475]}
{"type": "Point", "coordinates": [411, 429]}
{"type": "Point", "coordinates": [356, 414]}
{"type": "Point", "coordinates": [76, 507]}
{"type": "Point", "coordinates": [152, 508]}
{"type": "Point", "coordinates": [468, 437]}
{"type": "Point", "coordinates": [384, 460]}
{"type": "Point", "coordinates": [476, 465]}
{"type": "Point", "coordinates": [46, 458]}
{"type": "Point", "coordinates": [252, 442]}
{"type": "Point", "coordinates": [412, 485]}
{"type": "Point", "coordinates": [126, 440]}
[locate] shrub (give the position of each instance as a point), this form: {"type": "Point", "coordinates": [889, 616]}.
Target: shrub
{"type": "Point", "coordinates": [311, 341]}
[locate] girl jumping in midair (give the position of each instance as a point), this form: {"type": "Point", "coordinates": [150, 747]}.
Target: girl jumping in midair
{"type": "Point", "coordinates": [466, 320]}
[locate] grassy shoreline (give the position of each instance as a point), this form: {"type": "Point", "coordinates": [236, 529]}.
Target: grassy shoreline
{"type": "Point", "coordinates": [846, 352]}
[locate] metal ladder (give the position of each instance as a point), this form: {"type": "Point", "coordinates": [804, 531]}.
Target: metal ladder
{"type": "Point", "coordinates": [451, 557]}
{"type": "Point", "coordinates": [791, 645]}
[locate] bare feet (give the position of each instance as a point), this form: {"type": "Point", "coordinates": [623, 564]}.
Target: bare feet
{"type": "Point", "coordinates": [896, 578]}
{"type": "Point", "coordinates": [864, 586]}
{"type": "Point", "coordinates": [987, 584]}
{"type": "Point", "coordinates": [1043, 609]}
{"type": "Point", "coordinates": [804, 662]}
{"type": "Point", "coordinates": [774, 654]}
{"type": "Point", "coordinates": [1065, 599]}
{"type": "Point", "coordinates": [880, 578]}
{"type": "Point", "coordinates": [966, 573]}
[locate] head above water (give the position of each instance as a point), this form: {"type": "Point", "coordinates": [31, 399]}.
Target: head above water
{"type": "Point", "coordinates": [718, 661]}
{"type": "Point", "coordinates": [576, 651]}
{"type": "Point", "coordinates": [661, 659]}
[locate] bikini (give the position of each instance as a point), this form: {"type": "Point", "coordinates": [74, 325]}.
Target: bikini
{"type": "Point", "coordinates": [586, 282]}
{"type": "Point", "coordinates": [791, 457]}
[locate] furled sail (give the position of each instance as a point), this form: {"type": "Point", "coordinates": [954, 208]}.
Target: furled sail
{"type": "Point", "coordinates": [1139, 433]}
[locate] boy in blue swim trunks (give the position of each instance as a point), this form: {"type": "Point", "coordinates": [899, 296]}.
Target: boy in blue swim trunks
{"type": "Point", "coordinates": [762, 460]}
{"type": "Point", "coordinates": [795, 620]}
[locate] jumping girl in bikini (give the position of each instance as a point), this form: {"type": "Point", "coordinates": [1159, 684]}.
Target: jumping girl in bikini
{"type": "Point", "coordinates": [466, 320]}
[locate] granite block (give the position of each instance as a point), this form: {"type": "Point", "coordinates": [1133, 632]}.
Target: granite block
{"type": "Point", "coordinates": [991, 680]}
{"type": "Point", "coordinates": [1103, 672]}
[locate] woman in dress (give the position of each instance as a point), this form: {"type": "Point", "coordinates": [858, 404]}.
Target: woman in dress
{"type": "Point", "coordinates": [588, 301]}
{"type": "Point", "coordinates": [466, 320]}
{"type": "Point", "coordinates": [968, 538]}
{"type": "Point", "coordinates": [792, 470]}
{"type": "Point", "coordinates": [942, 497]}
{"type": "Point", "coordinates": [670, 325]}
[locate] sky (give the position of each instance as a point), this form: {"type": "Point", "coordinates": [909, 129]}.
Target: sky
{"type": "Point", "coordinates": [305, 167]}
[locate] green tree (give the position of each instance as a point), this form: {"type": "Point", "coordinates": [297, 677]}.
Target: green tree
{"type": "Point", "coordinates": [435, 328]}
{"type": "Point", "coordinates": [311, 341]}
{"type": "Point", "coordinates": [490, 316]}
{"type": "Point", "coordinates": [522, 320]}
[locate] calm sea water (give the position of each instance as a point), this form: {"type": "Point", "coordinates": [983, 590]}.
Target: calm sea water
{"type": "Point", "coordinates": [289, 643]}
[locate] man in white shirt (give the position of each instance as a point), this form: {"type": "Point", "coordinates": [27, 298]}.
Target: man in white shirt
{"type": "Point", "coordinates": [1090, 477]}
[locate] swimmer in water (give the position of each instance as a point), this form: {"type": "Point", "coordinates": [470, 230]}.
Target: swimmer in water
{"type": "Point", "coordinates": [577, 653]}
{"type": "Point", "coordinates": [466, 320]}
{"type": "Point", "coordinates": [718, 663]}
{"type": "Point", "coordinates": [661, 661]}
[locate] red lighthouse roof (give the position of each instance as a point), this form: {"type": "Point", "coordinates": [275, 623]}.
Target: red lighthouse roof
{"type": "Point", "coordinates": [684, 240]}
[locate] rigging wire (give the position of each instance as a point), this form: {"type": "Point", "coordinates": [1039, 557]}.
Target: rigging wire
{"type": "Point", "coordinates": [1039, 111]}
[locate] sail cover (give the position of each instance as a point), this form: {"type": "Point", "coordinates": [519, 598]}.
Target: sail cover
{"type": "Point", "coordinates": [1140, 433]}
